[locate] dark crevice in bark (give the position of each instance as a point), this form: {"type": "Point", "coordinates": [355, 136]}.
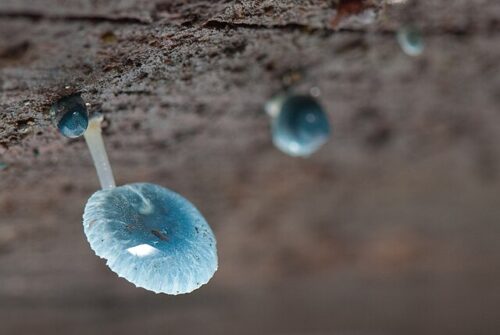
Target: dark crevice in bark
{"type": "Point", "coordinates": [492, 28]}
{"type": "Point", "coordinates": [74, 18]}
{"type": "Point", "coordinates": [219, 24]}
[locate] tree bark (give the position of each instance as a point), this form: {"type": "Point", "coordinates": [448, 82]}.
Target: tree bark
{"type": "Point", "coordinates": [390, 228]}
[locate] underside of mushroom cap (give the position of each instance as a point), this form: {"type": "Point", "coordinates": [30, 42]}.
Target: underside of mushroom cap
{"type": "Point", "coordinates": [152, 237]}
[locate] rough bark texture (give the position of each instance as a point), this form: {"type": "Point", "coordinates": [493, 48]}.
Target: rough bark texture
{"type": "Point", "coordinates": [392, 228]}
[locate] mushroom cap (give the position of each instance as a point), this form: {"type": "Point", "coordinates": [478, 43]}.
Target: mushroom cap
{"type": "Point", "coordinates": [70, 116]}
{"type": "Point", "coordinates": [411, 41]}
{"type": "Point", "coordinates": [152, 237]}
{"type": "Point", "coordinates": [301, 126]}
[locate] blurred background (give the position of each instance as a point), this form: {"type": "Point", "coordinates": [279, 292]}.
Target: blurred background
{"type": "Point", "coordinates": [392, 227]}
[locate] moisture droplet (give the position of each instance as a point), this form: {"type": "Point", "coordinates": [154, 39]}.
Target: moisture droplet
{"type": "Point", "coordinates": [70, 116]}
{"type": "Point", "coordinates": [152, 237]}
{"type": "Point", "coordinates": [299, 125]}
{"type": "Point", "coordinates": [411, 41]}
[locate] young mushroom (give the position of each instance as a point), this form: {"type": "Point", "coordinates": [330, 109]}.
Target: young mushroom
{"type": "Point", "coordinates": [299, 124]}
{"type": "Point", "coordinates": [149, 235]}
{"type": "Point", "coordinates": [69, 115]}
{"type": "Point", "coordinates": [410, 40]}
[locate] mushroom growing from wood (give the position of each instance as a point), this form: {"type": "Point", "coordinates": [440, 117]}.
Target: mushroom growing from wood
{"type": "Point", "coordinates": [410, 40]}
{"type": "Point", "coordinates": [149, 235]}
{"type": "Point", "coordinates": [299, 125]}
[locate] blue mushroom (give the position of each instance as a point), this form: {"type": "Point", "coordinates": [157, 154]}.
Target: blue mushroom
{"type": "Point", "coordinates": [410, 40]}
{"type": "Point", "coordinates": [152, 237]}
{"type": "Point", "coordinates": [70, 116]}
{"type": "Point", "coordinates": [299, 124]}
{"type": "Point", "coordinates": [149, 235]}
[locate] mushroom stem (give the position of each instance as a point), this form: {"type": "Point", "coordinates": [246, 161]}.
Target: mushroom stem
{"type": "Point", "coordinates": [95, 143]}
{"type": "Point", "coordinates": [273, 106]}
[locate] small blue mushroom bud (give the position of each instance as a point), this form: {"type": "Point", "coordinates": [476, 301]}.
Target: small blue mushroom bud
{"type": "Point", "coordinates": [151, 236]}
{"type": "Point", "coordinates": [410, 40]}
{"type": "Point", "coordinates": [70, 116]}
{"type": "Point", "coordinates": [299, 124]}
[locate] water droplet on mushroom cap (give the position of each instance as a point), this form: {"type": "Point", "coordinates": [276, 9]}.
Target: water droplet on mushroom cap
{"type": "Point", "coordinates": [152, 237]}
{"type": "Point", "coordinates": [70, 116]}
{"type": "Point", "coordinates": [300, 126]}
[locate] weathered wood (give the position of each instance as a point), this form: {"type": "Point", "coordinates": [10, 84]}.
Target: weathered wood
{"type": "Point", "coordinates": [391, 228]}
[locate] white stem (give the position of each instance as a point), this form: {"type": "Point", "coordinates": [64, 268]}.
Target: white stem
{"type": "Point", "coordinates": [273, 106]}
{"type": "Point", "coordinates": [95, 143]}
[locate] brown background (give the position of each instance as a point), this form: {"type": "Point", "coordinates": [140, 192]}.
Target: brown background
{"type": "Point", "coordinates": [392, 228]}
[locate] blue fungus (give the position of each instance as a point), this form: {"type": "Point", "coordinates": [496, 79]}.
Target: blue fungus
{"type": "Point", "coordinates": [300, 126]}
{"type": "Point", "coordinates": [3, 166]}
{"type": "Point", "coordinates": [152, 237]}
{"type": "Point", "coordinates": [411, 41]}
{"type": "Point", "coordinates": [70, 116]}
